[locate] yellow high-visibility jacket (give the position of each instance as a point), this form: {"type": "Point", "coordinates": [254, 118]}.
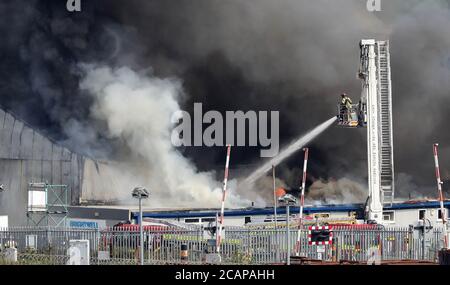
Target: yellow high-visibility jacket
{"type": "Point", "coordinates": [347, 102]}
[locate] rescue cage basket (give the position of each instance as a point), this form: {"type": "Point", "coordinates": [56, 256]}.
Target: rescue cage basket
{"type": "Point", "coordinates": [348, 117]}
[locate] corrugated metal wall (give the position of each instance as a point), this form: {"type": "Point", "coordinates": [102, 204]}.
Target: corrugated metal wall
{"type": "Point", "coordinates": [27, 156]}
{"type": "Point", "coordinates": [105, 181]}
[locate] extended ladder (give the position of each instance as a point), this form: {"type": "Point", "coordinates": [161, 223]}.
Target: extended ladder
{"type": "Point", "coordinates": [385, 122]}
{"type": "Point", "coordinates": [375, 113]}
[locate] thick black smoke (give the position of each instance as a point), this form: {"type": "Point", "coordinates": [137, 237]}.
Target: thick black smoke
{"type": "Point", "coordinates": [292, 56]}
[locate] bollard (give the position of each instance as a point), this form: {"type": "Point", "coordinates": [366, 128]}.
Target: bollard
{"type": "Point", "coordinates": [334, 251]}
{"type": "Point", "coordinates": [444, 257]}
{"type": "Point", "coordinates": [184, 252]}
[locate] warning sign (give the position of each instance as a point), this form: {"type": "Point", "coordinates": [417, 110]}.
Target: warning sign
{"type": "Point", "coordinates": [320, 235]}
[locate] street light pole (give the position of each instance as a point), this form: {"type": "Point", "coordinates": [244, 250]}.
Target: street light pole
{"type": "Point", "coordinates": [274, 197]}
{"type": "Point", "coordinates": [140, 193]}
{"type": "Point", "coordinates": [288, 238]}
{"type": "Point", "coordinates": [287, 200]}
{"type": "Point", "coordinates": [141, 253]}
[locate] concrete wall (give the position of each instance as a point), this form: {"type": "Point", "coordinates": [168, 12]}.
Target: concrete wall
{"type": "Point", "coordinates": [27, 156]}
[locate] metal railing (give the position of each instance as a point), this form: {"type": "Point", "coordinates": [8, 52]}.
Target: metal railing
{"type": "Point", "coordinates": [240, 245]}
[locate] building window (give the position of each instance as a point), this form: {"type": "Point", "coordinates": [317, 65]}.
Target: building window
{"type": "Point", "coordinates": [31, 241]}
{"type": "Point", "coordinates": [322, 216]}
{"type": "Point", "coordinates": [191, 221]}
{"type": "Point", "coordinates": [439, 217]}
{"type": "Point", "coordinates": [273, 220]}
{"type": "Point", "coordinates": [388, 216]}
{"type": "Point", "coordinates": [208, 220]}
{"type": "Point", "coordinates": [247, 220]}
{"type": "Point", "coordinates": [422, 214]}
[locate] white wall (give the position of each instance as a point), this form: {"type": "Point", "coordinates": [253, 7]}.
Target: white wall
{"type": "Point", "coordinates": [3, 221]}
{"type": "Point", "coordinates": [240, 220]}
{"type": "Point", "coordinates": [402, 218]}
{"type": "Point", "coordinates": [408, 217]}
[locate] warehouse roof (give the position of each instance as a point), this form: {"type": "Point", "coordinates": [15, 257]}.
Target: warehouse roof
{"type": "Point", "coordinates": [186, 213]}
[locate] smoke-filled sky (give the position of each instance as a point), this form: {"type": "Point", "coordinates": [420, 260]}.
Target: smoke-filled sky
{"type": "Point", "coordinates": [291, 56]}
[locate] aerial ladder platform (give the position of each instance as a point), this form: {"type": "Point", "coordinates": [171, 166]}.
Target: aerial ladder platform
{"type": "Point", "coordinates": [374, 112]}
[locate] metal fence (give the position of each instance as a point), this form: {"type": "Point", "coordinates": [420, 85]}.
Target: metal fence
{"type": "Point", "coordinates": [240, 245]}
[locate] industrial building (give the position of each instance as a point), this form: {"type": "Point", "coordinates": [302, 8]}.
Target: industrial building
{"type": "Point", "coordinates": [403, 214]}
{"type": "Point", "coordinates": [31, 164]}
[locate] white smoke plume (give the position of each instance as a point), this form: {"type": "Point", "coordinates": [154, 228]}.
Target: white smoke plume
{"type": "Point", "coordinates": [137, 109]}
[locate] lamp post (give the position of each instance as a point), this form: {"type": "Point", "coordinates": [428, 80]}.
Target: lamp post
{"type": "Point", "coordinates": [288, 200]}
{"type": "Point", "coordinates": [140, 193]}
